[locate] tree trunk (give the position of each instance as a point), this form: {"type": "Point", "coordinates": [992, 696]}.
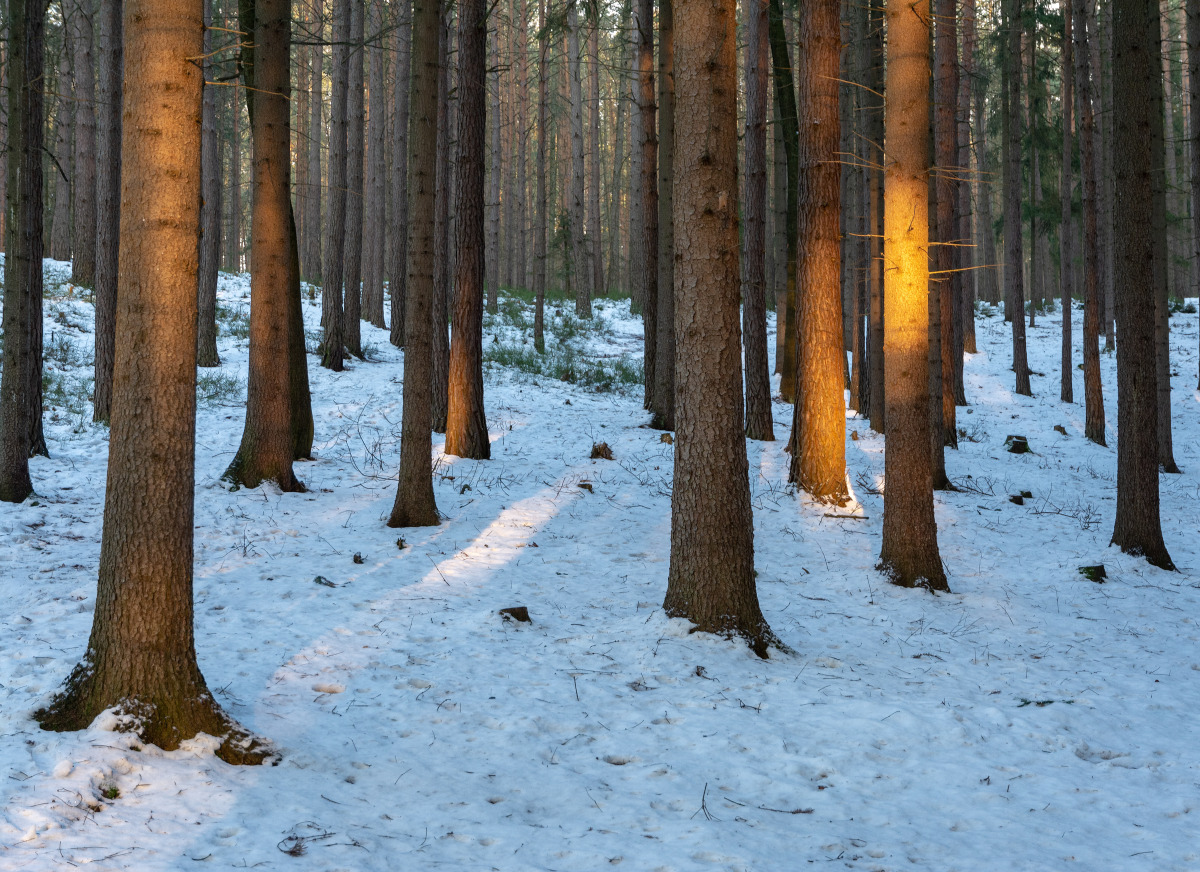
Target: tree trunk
{"type": "Point", "coordinates": [818, 463]}
{"type": "Point", "coordinates": [233, 239]}
{"type": "Point", "coordinates": [615, 275]}
{"type": "Point", "coordinates": [785, 97]}
{"type": "Point", "coordinates": [311, 204]}
{"type": "Point", "coordinates": [83, 264]}
{"type": "Point", "coordinates": [649, 222]}
{"type": "Point", "coordinates": [496, 171]}
{"type": "Point", "coordinates": [874, 122]}
{"type": "Point", "coordinates": [333, 319]}
{"type": "Point", "coordinates": [210, 210]}
{"type": "Point", "coordinates": [910, 551]}
{"type": "Point", "coordinates": [1014, 258]}
{"type": "Point", "coordinates": [540, 213]}
{"type": "Point", "coordinates": [989, 276]}
{"type": "Point", "coordinates": [711, 579]}
{"type": "Point", "coordinates": [520, 208]}
{"type": "Point", "coordinates": [973, 259]}
{"type": "Point", "coordinates": [21, 380]}
{"type": "Point", "coordinates": [759, 424]}
{"type": "Point", "coordinates": [414, 506]}
{"type": "Point", "coordinates": [466, 424]}
{"type": "Point", "coordinates": [141, 656]}
{"type": "Point", "coordinates": [62, 170]}
{"type": "Point", "coordinates": [1066, 231]}
{"type": "Point", "coordinates": [442, 268]}
{"type": "Point", "coordinates": [108, 201]}
{"type": "Point", "coordinates": [375, 202]}
{"type": "Point", "coordinates": [355, 124]}
{"type": "Point", "coordinates": [662, 406]}
{"type": "Point", "coordinates": [1137, 85]}
{"type": "Point", "coordinates": [1193, 40]}
{"type": "Point", "coordinates": [398, 282]}
{"type": "Point", "coordinates": [636, 251]}
{"type": "Point", "coordinates": [948, 283]}
{"type": "Point", "coordinates": [1092, 390]}
{"type": "Point", "coordinates": [595, 244]}
{"type": "Point", "coordinates": [579, 245]}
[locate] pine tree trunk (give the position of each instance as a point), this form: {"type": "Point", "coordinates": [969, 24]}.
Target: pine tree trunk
{"type": "Point", "coordinates": [662, 406]}
{"type": "Point", "coordinates": [615, 274]}
{"type": "Point", "coordinates": [210, 210]}
{"type": "Point", "coordinates": [233, 238]}
{"type": "Point", "coordinates": [579, 246]}
{"type": "Point", "coordinates": [595, 243]}
{"type": "Point", "coordinates": [1138, 86]}
{"type": "Point", "coordinates": [496, 171]}
{"type": "Point", "coordinates": [311, 204]}
{"type": "Point", "coordinates": [1193, 40]}
{"type": "Point", "coordinates": [711, 579]}
{"type": "Point", "coordinates": [649, 221]}
{"type": "Point", "coordinates": [1066, 231]}
{"type": "Point", "coordinates": [520, 206]}
{"type": "Point", "coordinates": [1092, 390]}
{"type": "Point", "coordinates": [61, 169]}
{"type": "Point", "coordinates": [1014, 258]}
{"type": "Point", "coordinates": [414, 506]}
{"type": "Point", "coordinates": [989, 276]}
{"type": "Point", "coordinates": [442, 268]}
{"type": "Point", "coordinates": [21, 380]}
{"type": "Point", "coordinates": [636, 256]}
{"type": "Point", "coordinates": [970, 257]}
{"type": "Point", "coordinates": [141, 656]}
{"type": "Point", "coordinates": [946, 255]}
{"type": "Point", "coordinates": [910, 551]}
{"type": "Point", "coordinates": [540, 221]}
{"type": "Point", "coordinates": [398, 280]}
{"type": "Point", "coordinates": [333, 317]}
{"type": "Point", "coordinates": [785, 97]}
{"type": "Point", "coordinates": [83, 265]}
{"type": "Point", "coordinates": [355, 128]}
{"type": "Point", "coordinates": [874, 122]}
{"type": "Point", "coordinates": [375, 204]}
{"type": "Point", "coordinates": [818, 463]}
{"type": "Point", "coordinates": [759, 424]}
{"type": "Point", "coordinates": [466, 423]}
{"type": "Point", "coordinates": [108, 201]}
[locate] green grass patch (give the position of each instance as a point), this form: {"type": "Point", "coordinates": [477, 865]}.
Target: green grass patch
{"type": "Point", "coordinates": [218, 389]}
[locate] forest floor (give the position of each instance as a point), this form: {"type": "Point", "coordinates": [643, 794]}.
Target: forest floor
{"type": "Point", "coordinates": [1031, 719]}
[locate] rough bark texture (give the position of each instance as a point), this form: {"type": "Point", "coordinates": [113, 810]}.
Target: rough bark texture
{"type": "Point", "coordinates": [332, 274]}
{"type": "Point", "coordinates": [108, 200]}
{"type": "Point", "coordinates": [1093, 392]}
{"type": "Point", "coordinates": [355, 128]}
{"type": "Point", "coordinates": [874, 122]}
{"type": "Point", "coordinates": [61, 169]}
{"type": "Point", "coordinates": [818, 463]}
{"type": "Point", "coordinates": [1193, 40]}
{"type": "Point", "coordinates": [375, 194]}
{"type": "Point", "coordinates": [21, 381]}
{"type": "Point", "coordinates": [595, 243]}
{"type": "Point", "coordinates": [711, 578]}
{"type": "Point", "coordinates": [267, 445]}
{"type": "Point", "coordinates": [210, 211]}
{"type": "Point", "coordinates": [785, 98]}
{"type": "Point", "coordinates": [1136, 79]}
{"type": "Point", "coordinates": [414, 506]}
{"type": "Point", "coordinates": [311, 204]}
{"type": "Point", "coordinates": [945, 135]}
{"type": "Point", "coordinates": [541, 219]}
{"type": "Point", "coordinates": [649, 222]}
{"type": "Point", "coordinates": [442, 266]}
{"type": "Point", "coordinates": [1014, 258]}
{"type": "Point", "coordinates": [759, 424]}
{"type": "Point", "coordinates": [1066, 232]}
{"type": "Point", "coordinates": [910, 551]}
{"type": "Point", "coordinates": [398, 276]}
{"type": "Point", "coordinates": [83, 264]}
{"type": "Point", "coordinates": [636, 251]}
{"type": "Point", "coordinates": [973, 257]}
{"type": "Point", "coordinates": [520, 210]}
{"type": "Point", "coordinates": [662, 406]}
{"type": "Point", "coordinates": [580, 275]}
{"type": "Point", "coordinates": [141, 656]}
{"type": "Point", "coordinates": [466, 423]}
{"type": "Point", "coordinates": [496, 171]}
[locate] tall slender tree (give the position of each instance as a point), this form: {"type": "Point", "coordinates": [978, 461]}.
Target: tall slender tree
{"type": "Point", "coordinates": [333, 273]}
{"type": "Point", "coordinates": [210, 209]}
{"type": "Point", "coordinates": [83, 264]}
{"type": "Point", "coordinates": [1137, 85]}
{"type": "Point", "coordinates": [662, 406]}
{"type": "Point", "coordinates": [1014, 258]}
{"type": "Point", "coordinates": [108, 200]}
{"type": "Point", "coordinates": [311, 254]}
{"type": "Point", "coordinates": [141, 657]}
{"type": "Point", "coordinates": [353, 256]}
{"type": "Point", "coordinates": [910, 550]}
{"type": "Point", "coordinates": [711, 578]}
{"type": "Point", "coordinates": [414, 505]}
{"type": "Point", "coordinates": [398, 275]}
{"type": "Point", "coordinates": [647, 107]}
{"type": "Point", "coordinates": [541, 218]}
{"type": "Point", "coordinates": [580, 275]}
{"type": "Point", "coordinates": [375, 192]}
{"type": "Point", "coordinates": [1193, 44]}
{"type": "Point", "coordinates": [1066, 233]}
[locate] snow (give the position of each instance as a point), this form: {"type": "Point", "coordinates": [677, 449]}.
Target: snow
{"type": "Point", "coordinates": [1032, 719]}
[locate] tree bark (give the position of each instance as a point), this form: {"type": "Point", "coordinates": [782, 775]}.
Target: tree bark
{"type": "Point", "coordinates": [949, 286]}
{"type": "Point", "coordinates": [711, 578]}
{"type": "Point", "coordinates": [333, 319]}
{"type": "Point", "coordinates": [874, 122]}
{"type": "Point", "coordinates": [520, 208]}
{"type": "Point", "coordinates": [108, 201]}
{"type": "Point", "coordinates": [398, 281]}
{"type": "Point", "coordinates": [83, 264]}
{"type": "Point", "coordinates": [496, 171]}
{"type": "Point", "coordinates": [1193, 40]}
{"type": "Point", "coordinates": [141, 656]}
{"type": "Point", "coordinates": [649, 222]}
{"type": "Point", "coordinates": [973, 257]}
{"type": "Point", "coordinates": [540, 214]}
{"type": "Point", "coordinates": [414, 506]}
{"type": "Point", "coordinates": [375, 193]}
{"type": "Point", "coordinates": [818, 463]}
{"type": "Point", "coordinates": [1014, 258]}
{"type": "Point", "coordinates": [759, 423]}
{"type": "Point", "coordinates": [909, 555]}
{"type": "Point", "coordinates": [595, 243]}
{"type": "Point", "coordinates": [353, 257]}
{"type": "Point", "coordinates": [636, 250]}
{"type": "Point", "coordinates": [785, 98]}
{"type": "Point", "coordinates": [580, 274]}
{"type": "Point", "coordinates": [1066, 231]}
{"type": "Point", "coordinates": [311, 204]}
{"type": "Point", "coordinates": [662, 407]}
{"type": "Point", "coordinates": [1137, 85]}
{"type": "Point", "coordinates": [443, 269]}
{"type": "Point", "coordinates": [62, 170]}
{"type": "Point", "coordinates": [210, 210]}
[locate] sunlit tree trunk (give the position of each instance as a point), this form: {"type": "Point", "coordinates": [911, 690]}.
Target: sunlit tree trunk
{"type": "Point", "coordinates": [910, 550]}
{"type": "Point", "coordinates": [711, 578]}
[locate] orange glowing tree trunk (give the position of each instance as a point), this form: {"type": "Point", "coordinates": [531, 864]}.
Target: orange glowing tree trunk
{"type": "Point", "coordinates": [910, 550]}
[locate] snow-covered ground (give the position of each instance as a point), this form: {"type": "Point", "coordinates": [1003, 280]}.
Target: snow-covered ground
{"type": "Point", "coordinates": [1030, 720]}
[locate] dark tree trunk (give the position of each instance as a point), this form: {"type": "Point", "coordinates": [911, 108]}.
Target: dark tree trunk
{"type": "Point", "coordinates": [442, 267]}
{"type": "Point", "coordinates": [414, 506]}
{"type": "Point", "coordinates": [818, 463]}
{"type": "Point", "coordinates": [210, 210]}
{"type": "Point", "coordinates": [333, 318]}
{"type": "Point", "coordinates": [649, 222]}
{"type": "Point", "coordinates": [636, 251]}
{"type": "Point", "coordinates": [233, 238]}
{"type": "Point", "coordinates": [662, 406]}
{"type": "Point", "coordinates": [1066, 231]}
{"type": "Point", "coordinates": [945, 135]}
{"type": "Point", "coordinates": [541, 219]}
{"type": "Point", "coordinates": [711, 579]}
{"type": "Point", "coordinates": [520, 209]}
{"type": "Point", "coordinates": [1014, 258]}
{"type": "Point", "coordinates": [311, 204]}
{"type": "Point", "coordinates": [759, 424]}
{"type": "Point", "coordinates": [595, 244]}
{"type": "Point", "coordinates": [874, 123]}
{"type": "Point", "coordinates": [141, 657]}
{"type": "Point", "coordinates": [353, 257]}
{"type": "Point", "coordinates": [497, 170]}
{"type": "Point", "coordinates": [375, 195]}
{"type": "Point", "coordinates": [910, 554]}
{"type": "Point", "coordinates": [83, 265]}
{"type": "Point", "coordinates": [398, 280]}
{"type": "Point", "coordinates": [108, 200]}
{"type": "Point", "coordinates": [1193, 40]}
{"type": "Point", "coordinates": [580, 274]}
{"type": "Point", "coordinates": [1137, 85]}
{"type": "Point", "coordinates": [785, 98]}
{"type": "Point", "coordinates": [61, 169]}
{"type": "Point", "coordinates": [21, 381]}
